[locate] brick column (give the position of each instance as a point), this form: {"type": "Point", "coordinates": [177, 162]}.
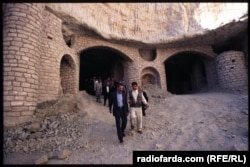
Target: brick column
{"type": "Point", "coordinates": [21, 42]}
{"type": "Point", "coordinates": [231, 69]}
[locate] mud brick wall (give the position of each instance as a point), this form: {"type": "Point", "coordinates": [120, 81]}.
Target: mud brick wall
{"type": "Point", "coordinates": [231, 69]}
{"type": "Point", "coordinates": [33, 48]}
{"type": "Point", "coordinates": [56, 57]}
{"type": "Point", "coordinates": [21, 47]}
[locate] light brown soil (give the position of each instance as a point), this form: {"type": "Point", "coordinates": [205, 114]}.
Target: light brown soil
{"type": "Point", "coordinates": [202, 121]}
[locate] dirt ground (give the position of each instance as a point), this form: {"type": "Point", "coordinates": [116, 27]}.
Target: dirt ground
{"type": "Point", "coordinates": [202, 121]}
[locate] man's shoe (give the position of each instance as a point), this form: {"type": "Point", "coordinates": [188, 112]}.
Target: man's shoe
{"type": "Point", "coordinates": [132, 127]}
{"type": "Point", "coordinates": [139, 131]}
{"type": "Point", "coordinates": [121, 141]}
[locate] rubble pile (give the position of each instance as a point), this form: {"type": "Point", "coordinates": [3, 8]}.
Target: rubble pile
{"type": "Point", "coordinates": [156, 94]}
{"type": "Point", "coordinates": [56, 125]}
{"type": "Point", "coordinates": [59, 124]}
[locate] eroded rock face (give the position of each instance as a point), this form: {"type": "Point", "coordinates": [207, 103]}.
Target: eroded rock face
{"type": "Point", "coordinates": [147, 22]}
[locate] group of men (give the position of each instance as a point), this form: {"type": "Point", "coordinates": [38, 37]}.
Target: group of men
{"type": "Point", "coordinates": [104, 88]}
{"type": "Point", "coordinates": [123, 103]}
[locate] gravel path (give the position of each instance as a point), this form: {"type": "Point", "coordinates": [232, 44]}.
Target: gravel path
{"type": "Point", "coordinates": [203, 121]}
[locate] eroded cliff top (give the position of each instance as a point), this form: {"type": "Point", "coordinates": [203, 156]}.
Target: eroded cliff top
{"type": "Point", "coordinates": [153, 23]}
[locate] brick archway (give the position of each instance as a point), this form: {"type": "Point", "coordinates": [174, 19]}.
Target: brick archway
{"type": "Point", "coordinates": [67, 74]}
{"type": "Point", "coordinates": [188, 72]}
{"type": "Point", "coordinates": [150, 75]}
{"type": "Point", "coordinates": [103, 62]}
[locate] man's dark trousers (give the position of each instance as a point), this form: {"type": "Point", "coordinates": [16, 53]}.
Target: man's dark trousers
{"type": "Point", "coordinates": [121, 123]}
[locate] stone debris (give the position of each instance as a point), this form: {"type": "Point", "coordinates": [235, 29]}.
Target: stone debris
{"type": "Point", "coordinates": [42, 160]}
{"type": "Point", "coordinates": [155, 94]}
{"type": "Point", "coordinates": [157, 146]}
{"type": "Point", "coordinates": [59, 155]}
{"type": "Point", "coordinates": [64, 154]}
{"type": "Point", "coordinates": [33, 127]}
{"type": "Point", "coordinates": [54, 128]}
{"type": "Point", "coordinates": [57, 126]}
{"type": "Point", "coordinates": [52, 155]}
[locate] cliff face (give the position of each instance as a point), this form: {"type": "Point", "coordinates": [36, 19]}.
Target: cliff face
{"type": "Point", "coordinates": [152, 23]}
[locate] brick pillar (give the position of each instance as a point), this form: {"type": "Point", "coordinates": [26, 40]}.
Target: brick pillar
{"type": "Point", "coordinates": [231, 69]}
{"type": "Point", "coordinates": [21, 42]}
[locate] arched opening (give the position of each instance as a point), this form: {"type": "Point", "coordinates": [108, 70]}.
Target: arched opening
{"type": "Point", "coordinates": [67, 74]}
{"type": "Point", "coordinates": [186, 73]}
{"type": "Point", "coordinates": [103, 62]}
{"type": "Point", "coordinates": [150, 75]}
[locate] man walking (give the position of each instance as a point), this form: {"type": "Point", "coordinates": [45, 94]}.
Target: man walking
{"type": "Point", "coordinates": [118, 101]}
{"type": "Point", "coordinates": [98, 90]}
{"type": "Point", "coordinates": [136, 99]}
{"type": "Point", "coordinates": [106, 93]}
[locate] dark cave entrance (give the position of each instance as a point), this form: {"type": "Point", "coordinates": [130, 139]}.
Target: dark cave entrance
{"type": "Point", "coordinates": [185, 73]}
{"type": "Point", "coordinates": [100, 62]}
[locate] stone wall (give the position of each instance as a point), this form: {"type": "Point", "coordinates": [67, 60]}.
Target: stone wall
{"type": "Point", "coordinates": [231, 69]}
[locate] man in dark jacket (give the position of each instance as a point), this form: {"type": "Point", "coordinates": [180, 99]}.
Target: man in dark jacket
{"type": "Point", "coordinates": [119, 105]}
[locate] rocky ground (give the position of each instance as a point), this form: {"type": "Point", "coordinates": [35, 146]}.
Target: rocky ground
{"type": "Point", "coordinates": [78, 130]}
